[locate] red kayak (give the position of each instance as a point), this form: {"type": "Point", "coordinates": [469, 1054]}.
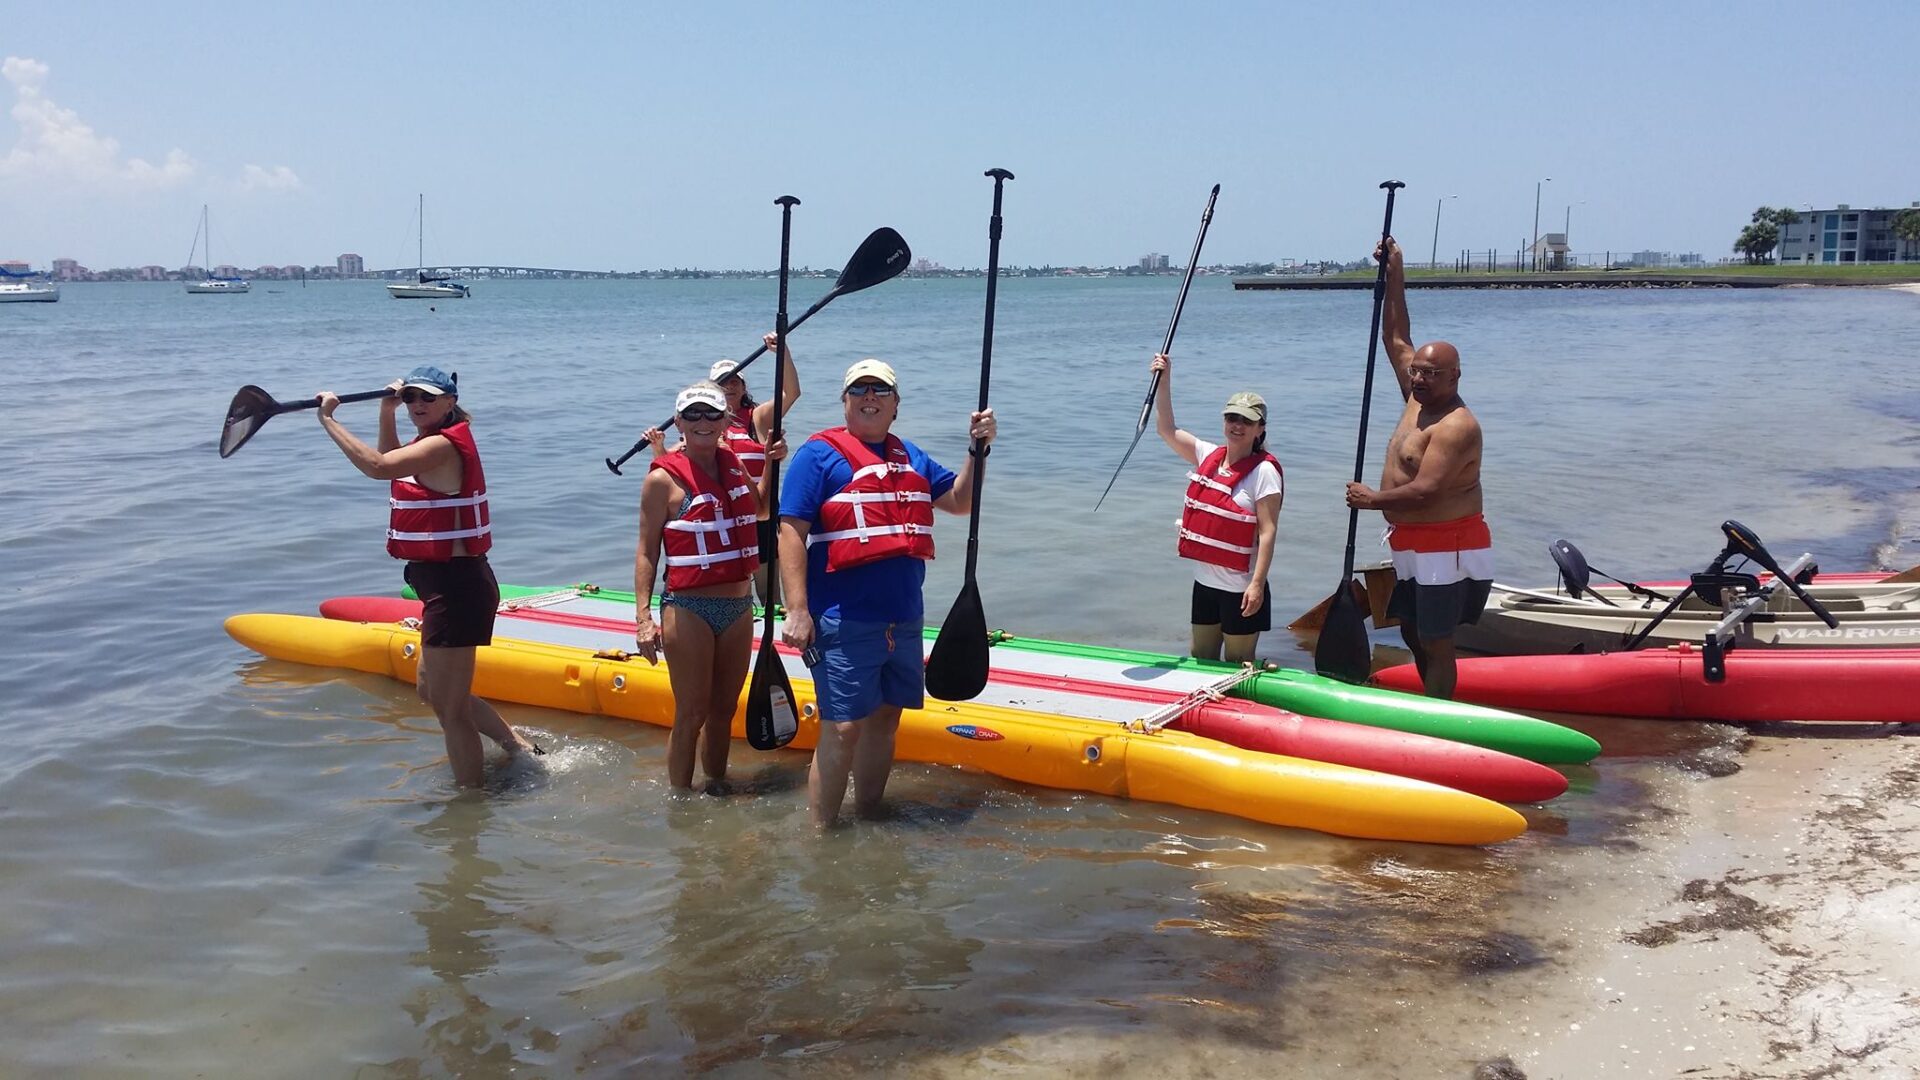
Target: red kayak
{"type": "Point", "coordinates": [1248, 725]}
{"type": "Point", "coordinates": [1851, 686]}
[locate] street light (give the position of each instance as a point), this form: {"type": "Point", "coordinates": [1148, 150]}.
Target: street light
{"type": "Point", "coordinates": [1566, 229]}
{"type": "Point", "coordinates": [1535, 259]}
{"type": "Point", "coordinates": [1434, 255]}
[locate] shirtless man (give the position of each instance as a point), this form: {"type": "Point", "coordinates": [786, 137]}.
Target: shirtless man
{"type": "Point", "coordinates": [1430, 494]}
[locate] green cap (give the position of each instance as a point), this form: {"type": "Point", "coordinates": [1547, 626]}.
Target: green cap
{"type": "Point", "coordinates": [1248, 404]}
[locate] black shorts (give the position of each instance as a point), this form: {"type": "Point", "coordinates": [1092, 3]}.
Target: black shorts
{"type": "Point", "coordinates": [1218, 607]}
{"type": "Point", "coordinates": [457, 598]}
{"type": "Point", "coordinates": [1434, 610]}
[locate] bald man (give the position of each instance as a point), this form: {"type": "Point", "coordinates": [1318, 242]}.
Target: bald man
{"type": "Point", "coordinates": [1430, 494]}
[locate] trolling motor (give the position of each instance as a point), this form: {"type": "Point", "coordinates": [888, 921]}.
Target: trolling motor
{"type": "Point", "coordinates": [1748, 595]}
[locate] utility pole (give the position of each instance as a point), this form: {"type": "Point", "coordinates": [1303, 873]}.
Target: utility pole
{"type": "Point", "coordinates": [1535, 258]}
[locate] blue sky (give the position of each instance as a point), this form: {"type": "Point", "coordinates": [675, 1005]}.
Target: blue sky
{"type": "Point", "coordinates": [639, 136]}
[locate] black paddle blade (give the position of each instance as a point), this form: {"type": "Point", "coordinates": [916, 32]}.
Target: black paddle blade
{"type": "Point", "coordinates": [252, 407]}
{"type": "Point", "coordinates": [771, 719]}
{"type": "Point", "coordinates": [880, 257]}
{"type": "Point", "coordinates": [957, 666]}
{"type": "Point", "coordinates": [1343, 651]}
{"type": "Point", "coordinates": [1573, 567]}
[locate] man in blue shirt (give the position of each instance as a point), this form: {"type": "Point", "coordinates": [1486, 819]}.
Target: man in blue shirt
{"type": "Point", "coordinates": [856, 513]}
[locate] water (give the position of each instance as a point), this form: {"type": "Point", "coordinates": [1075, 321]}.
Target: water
{"type": "Point", "coordinates": [218, 864]}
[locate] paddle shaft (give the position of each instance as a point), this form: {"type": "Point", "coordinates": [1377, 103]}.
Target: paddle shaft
{"type": "Point", "coordinates": [742, 366]}
{"type": "Point", "coordinates": [1366, 392]}
{"type": "Point", "coordinates": [780, 328]}
{"type": "Point", "coordinates": [345, 399]}
{"type": "Point", "coordinates": [1166, 344]}
{"type": "Point", "coordinates": [980, 448]}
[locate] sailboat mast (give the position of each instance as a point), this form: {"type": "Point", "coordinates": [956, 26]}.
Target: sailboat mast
{"type": "Point", "coordinates": [206, 226]}
{"type": "Point", "coordinates": [420, 250]}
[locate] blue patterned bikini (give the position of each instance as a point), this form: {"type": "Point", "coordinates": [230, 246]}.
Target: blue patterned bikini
{"type": "Point", "coordinates": [720, 612]}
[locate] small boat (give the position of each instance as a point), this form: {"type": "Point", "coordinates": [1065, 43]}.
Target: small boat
{"type": "Point", "coordinates": [1869, 610]}
{"type": "Point", "coordinates": [18, 288]}
{"type": "Point", "coordinates": [211, 285]}
{"type": "Point", "coordinates": [1098, 757]}
{"type": "Point", "coordinates": [428, 286]}
{"type": "Point", "coordinates": [1206, 712]}
{"type": "Point", "coordinates": [1858, 686]}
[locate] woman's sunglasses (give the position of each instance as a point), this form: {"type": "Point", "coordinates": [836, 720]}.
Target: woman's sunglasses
{"type": "Point", "coordinates": [876, 389]}
{"type": "Point", "coordinates": [698, 415]}
{"type": "Point", "coordinates": [410, 395]}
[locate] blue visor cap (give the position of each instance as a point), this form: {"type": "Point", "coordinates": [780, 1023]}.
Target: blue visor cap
{"type": "Point", "coordinates": [432, 379]}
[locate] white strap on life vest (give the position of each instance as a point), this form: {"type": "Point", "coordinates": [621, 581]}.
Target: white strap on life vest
{"type": "Point", "coordinates": [722, 527]}
{"type": "Point", "coordinates": [435, 504]}
{"type": "Point", "coordinates": [1208, 541]}
{"type": "Point", "coordinates": [1220, 511]}
{"type": "Point", "coordinates": [864, 533]}
{"type": "Point", "coordinates": [456, 534]}
{"type": "Point", "coordinates": [1210, 482]}
{"type": "Point", "coordinates": [708, 558]}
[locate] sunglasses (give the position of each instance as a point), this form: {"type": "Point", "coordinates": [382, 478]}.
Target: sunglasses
{"type": "Point", "coordinates": [876, 389]}
{"type": "Point", "coordinates": [410, 395]}
{"type": "Point", "coordinates": [697, 414]}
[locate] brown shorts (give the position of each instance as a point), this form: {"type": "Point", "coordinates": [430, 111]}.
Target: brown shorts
{"type": "Point", "coordinates": [457, 598]}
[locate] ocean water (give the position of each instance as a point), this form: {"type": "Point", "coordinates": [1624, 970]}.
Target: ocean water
{"type": "Point", "coordinates": [221, 865]}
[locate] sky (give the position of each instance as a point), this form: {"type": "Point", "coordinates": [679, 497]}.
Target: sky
{"type": "Point", "coordinates": [640, 136]}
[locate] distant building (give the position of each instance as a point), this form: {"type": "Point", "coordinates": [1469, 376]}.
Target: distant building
{"type": "Point", "coordinates": [1550, 251]}
{"type": "Point", "coordinates": [69, 270]}
{"type": "Point", "coordinates": [1153, 262]}
{"type": "Point", "coordinates": [350, 265]}
{"type": "Point", "coordinates": [293, 272]}
{"type": "Point", "coordinates": [16, 266]}
{"type": "Point", "coordinates": [1843, 235]}
{"type": "Point", "coordinates": [152, 273]}
{"type": "Point", "coordinates": [226, 270]}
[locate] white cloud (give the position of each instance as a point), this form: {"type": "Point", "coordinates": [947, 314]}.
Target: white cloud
{"type": "Point", "coordinates": [278, 178]}
{"type": "Point", "coordinates": [54, 142]}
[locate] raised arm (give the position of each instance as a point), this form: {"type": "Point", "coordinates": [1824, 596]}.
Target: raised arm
{"type": "Point", "coordinates": [409, 460]}
{"type": "Point", "coordinates": [1396, 329]}
{"type": "Point", "coordinates": [1182, 442]}
{"type": "Point", "coordinates": [789, 393]}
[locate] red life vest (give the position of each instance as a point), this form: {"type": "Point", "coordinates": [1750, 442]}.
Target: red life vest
{"type": "Point", "coordinates": [423, 524]}
{"type": "Point", "coordinates": [716, 539]}
{"type": "Point", "coordinates": [751, 452]}
{"type": "Point", "coordinates": [885, 511]}
{"type": "Point", "coordinates": [1213, 528]}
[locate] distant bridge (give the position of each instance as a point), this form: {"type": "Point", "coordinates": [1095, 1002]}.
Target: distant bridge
{"type": "Point", "coordinates": [523, 272]}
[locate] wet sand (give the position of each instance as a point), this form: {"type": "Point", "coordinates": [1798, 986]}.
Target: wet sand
{"type": "Point", "coordinates": [1757, 921]}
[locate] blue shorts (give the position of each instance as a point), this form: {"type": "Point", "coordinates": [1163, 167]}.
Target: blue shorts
{"type": "Point", "coordinates": [866, 664]}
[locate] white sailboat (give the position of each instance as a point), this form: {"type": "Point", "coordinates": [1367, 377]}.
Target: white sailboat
{"type": "Point", "coordinates": [16, 288]}
{"type": "Point", "coordinates": [426, 286]}
{"type": "Point", "coordinates": [212, 285]}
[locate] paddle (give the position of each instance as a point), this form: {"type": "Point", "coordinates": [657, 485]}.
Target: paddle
{"type": "Point", "coordinates": [1343, 650]}
{"type": "Point", "coordinates": [957, 666]}
{"type": "Point", "coordinates": [252, 407]}
{"type": "Point", "coordinates": [1748, 543]}
{"type": "Point", "coordinates": [1912, 573]}
{"type": "Point", "coordinates": [1166, 345]}
{"type": "Point", "coordinates": [770, 719]}
{"type": "Point", "coordinates": [880, 257]}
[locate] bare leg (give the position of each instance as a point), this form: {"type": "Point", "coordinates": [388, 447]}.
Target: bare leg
{"type": "Point", "coordinates": [732, 654]}
{"type": "Point", "coordinates": [689, 647]}
{"type": "Point", "coordinates": [1417, 647]}
{"type": "Point", "coordinates": [487, 721]}
{"type": "Point", "coordinates": [1239, 647]}
{"type": "Point", "coordinates": [1206, 642]}
{"type": "Point", "coordinates": [1439, 673]}
{"type": "Point", "coordinates": [445, 683]}
{"type": "Point", "coordinates": [873, 759]}
{"type": "Point", "coordinates": [832, 761]}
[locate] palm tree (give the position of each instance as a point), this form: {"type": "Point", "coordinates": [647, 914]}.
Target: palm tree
{"type": "Point", "coordinates": [1906, 226]}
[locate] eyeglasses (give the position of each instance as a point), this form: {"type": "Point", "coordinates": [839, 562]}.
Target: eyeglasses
{"type": "Point", "coordinates": [876, 389]}
{"type": "Point", "coordinates": [411, 395]}
{"type": "Point", "coordinates": [695, 414]}
{"type": "Point", "coordinates": [1417, 371]}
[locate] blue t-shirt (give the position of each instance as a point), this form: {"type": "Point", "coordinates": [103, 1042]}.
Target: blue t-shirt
{"type": "Point", "coordinates": [884, 591]}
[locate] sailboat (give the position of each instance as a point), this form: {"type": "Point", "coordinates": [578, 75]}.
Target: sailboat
{"type": "Point", "coordinates": [212, 284]}
{"type": "Point", "coordinates": [427, 286]}
{"type": "Point", "coordinates": [18, 288]}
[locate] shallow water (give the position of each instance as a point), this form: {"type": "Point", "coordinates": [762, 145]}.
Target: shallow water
{"type": "Point", "coordinates": [219, 864]}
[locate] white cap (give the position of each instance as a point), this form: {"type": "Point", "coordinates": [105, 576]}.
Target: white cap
{"type": "Point", "coordinates": [701, 393]}
{"type": "Point", "coordinates": [723, 368]}
{"type": "Point", "coordinates": [870, 369]}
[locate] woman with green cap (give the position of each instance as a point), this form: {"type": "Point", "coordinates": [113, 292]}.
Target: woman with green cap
{"type": "Point", "coordinates": [1227, 521]}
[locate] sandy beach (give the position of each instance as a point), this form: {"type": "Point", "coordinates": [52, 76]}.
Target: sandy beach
{"type": "Point", "coordinates": [1756, 921]}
